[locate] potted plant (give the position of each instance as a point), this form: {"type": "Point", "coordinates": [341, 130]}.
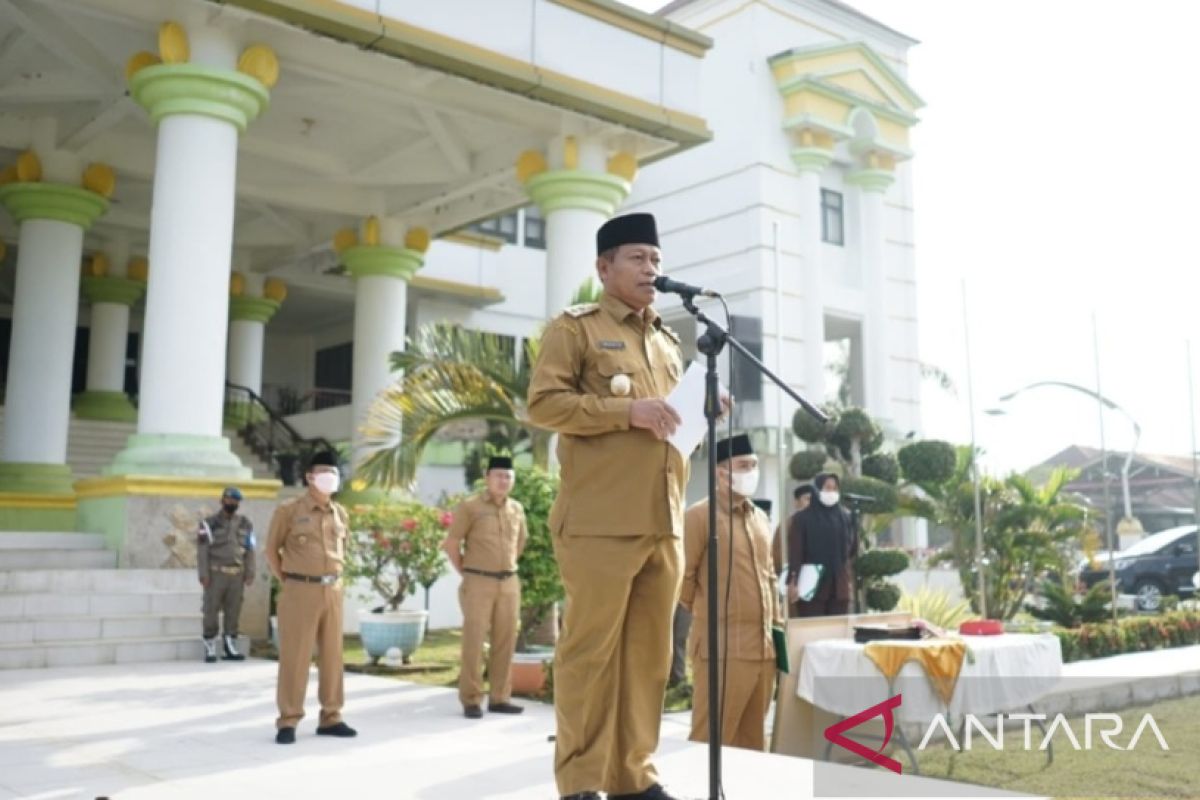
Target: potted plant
{"type": "Point", "coordinates": [541, 589]}
{"type": "Point", "coordinates": [395, 547]}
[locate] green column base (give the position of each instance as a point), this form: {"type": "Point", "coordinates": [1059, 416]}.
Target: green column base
{"type": "Point", "coordinates": [114, 406]}
{"type": "Point", "coordinates": [178, 454]}
{"type": "Point", "coordinates": [17, 515]}
{"type": "Point", "coordinates": [24, 478]}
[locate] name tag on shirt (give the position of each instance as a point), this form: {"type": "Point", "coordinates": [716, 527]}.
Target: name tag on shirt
{"type": "Point", "coordinates": [610, 345]}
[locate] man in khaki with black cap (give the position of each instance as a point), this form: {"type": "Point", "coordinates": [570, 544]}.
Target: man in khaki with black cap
{"type": "Point", "coordinates": [600, 379]}
{"type": "Point", "coordinates": [748, 602]}
{"type": "Point", "coordinates": [306, 549]}
{"type": "Point", "coordinates": [225, 562]}
{"type": "Point", "coordinates": [483, 544]}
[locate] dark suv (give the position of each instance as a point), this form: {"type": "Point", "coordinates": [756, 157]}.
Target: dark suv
{"type": "Point", "coordinates": [1159, 565]}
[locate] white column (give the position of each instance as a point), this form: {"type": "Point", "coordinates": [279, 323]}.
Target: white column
{"type": "Point", "coordinates": [872, 183]}
{"type": "Point", "coordinates": [200, 111]}
{"type": "Point", "coordinates": [246, 353]}
{"type": "Point", "coordinates": [380, 317]}
{"type": "Point", "coordinates": [106, 347]}
{"type": "Point", "coordinates": [810, 161]}
{"type": "Point", "coordinates": [38, 400]}
{"type": "Point", "coordinates": [111, 295]}
{"type": "Point", "coordinates": [575, 200]}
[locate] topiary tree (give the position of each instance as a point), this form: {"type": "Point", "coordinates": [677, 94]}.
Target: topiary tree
{"type": "Point", "coordinates": [884, 497]}
{"type": "Point", "coordinates": [810, 429]}
{"type": "Point", "coordinates": [926, 463]}
{"type": "Point", "coordinates": [883, 467]}
{"type": "Point", "coordinates": [854, 436]}
{"type": "Point", "coordinates": [806, 464]}
{"type": "Point", "coordinates": [871, 571]}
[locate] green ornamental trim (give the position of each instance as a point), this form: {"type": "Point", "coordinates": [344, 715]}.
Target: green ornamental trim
{"type": "Point", "coordinates": [36, 478]}
{"type": "Point", "coordinates": [252, 309]}
{"type": "Point", "coordinates": [572, 188]}
{"type": "Point", "coordinates": [121, 291]}
{"type": "Point", "coordinates": [104, 405]}
{"type": "Point", "coordinates": [380, 259]}
{"type": "Point", "coordinates": [871, 180]}
{"type": "Point", "coordinates": [53, 201]}
{"type": "Point", "coordinates": [229, 95]}
{"type": "Point", "coordinates": [811, 159]}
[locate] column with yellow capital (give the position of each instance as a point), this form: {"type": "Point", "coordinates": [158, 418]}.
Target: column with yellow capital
{"type": "Point", "coordinates": [202, 90]}
{"type": "Point", "coordinates": [43, 193]}
{"type": "Point", "coordinates": [253, 300]}
{"type": "Point", "coordinates": [872, 181]}
{"type": "Point", "coordinates": [811, 156]}
{"type": "Point", "coordinates": [576, 196]}
{"type": "Point", "coordinates": [112, 284]}
{"type": "Point", "coordinates": [382, 259]}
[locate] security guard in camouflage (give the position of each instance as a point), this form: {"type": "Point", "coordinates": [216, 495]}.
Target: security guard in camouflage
{"type": "Point", "coordinates": [225, 561]}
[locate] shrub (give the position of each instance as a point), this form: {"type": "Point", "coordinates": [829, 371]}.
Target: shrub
{"type": "Point", "coordinates": [808, 428]}
{"type": "Point", "coordinates": [882, 595]}
{"type": "Point", "coordinates": [882, 467]}
{"type": "Point", "coordinates": [1136, 634]}
{"type": "Point", "coordinates": [928, 462]}
{"type": "Point", "coordinates": [935, 607]}
{"type": "Point", "coordinates": [884, 496]}
{"type": "Point", "coordinates": [806, 464]}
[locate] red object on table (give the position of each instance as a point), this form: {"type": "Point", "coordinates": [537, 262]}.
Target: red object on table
{"type": "Point", "coordinates": [981, 627]}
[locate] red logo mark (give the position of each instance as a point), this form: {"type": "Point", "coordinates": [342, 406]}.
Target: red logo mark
{"type": "Point", "coordinates": [834, 733]}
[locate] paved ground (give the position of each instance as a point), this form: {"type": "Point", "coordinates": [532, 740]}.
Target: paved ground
{"type": "Point", "coordinates": [183, 730]}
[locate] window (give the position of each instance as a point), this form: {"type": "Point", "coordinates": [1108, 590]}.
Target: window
{"type": "Point", "coordinates": [535, 228]}
{"type": "Point", "coordinates": [504, 227]}
{"type": "Point", "coordinates": [832, 229]}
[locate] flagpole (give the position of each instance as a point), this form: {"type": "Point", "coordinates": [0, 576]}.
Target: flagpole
{"type": "Point", "coordinates": [1108, 528]}
{"type": "Point", "coordinates": [1195, 466]}
{"type": "Point", "coordinates": [980, 562]}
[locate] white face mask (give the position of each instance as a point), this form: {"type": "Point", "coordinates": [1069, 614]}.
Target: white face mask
{"type": "Point", "coordinates": [830, 498]}
{"type": "Point", "coordinates": [326, 482]}
{"type": "Point", "coordinates": [745, 483]}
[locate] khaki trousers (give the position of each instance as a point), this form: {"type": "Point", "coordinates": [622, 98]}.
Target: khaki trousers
{"type": "Point", "coordinates": [748, 690]}
{"type": "Point", "coordinates": [491, 608]}
{"type": "Point", "coordinates": [223, 594]}
{"type": "Point", "coordinates": [612, 659]}
{"type": "Point", "coordinates": [309, 613]}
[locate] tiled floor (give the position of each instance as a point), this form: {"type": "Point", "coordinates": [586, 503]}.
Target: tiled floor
{"type": "Point", "coordinates": [187, 730]}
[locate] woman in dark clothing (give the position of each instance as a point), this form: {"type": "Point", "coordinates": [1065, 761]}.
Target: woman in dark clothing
{"type": "Point", "coordinates": [822, 534]}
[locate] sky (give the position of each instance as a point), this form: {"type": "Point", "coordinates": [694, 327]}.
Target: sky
{"type": "Point", "coordinates": [1056, 172]}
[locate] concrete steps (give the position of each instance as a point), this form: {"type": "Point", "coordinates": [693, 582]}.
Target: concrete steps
{"type": "Point", "coordinates": [64, 603]}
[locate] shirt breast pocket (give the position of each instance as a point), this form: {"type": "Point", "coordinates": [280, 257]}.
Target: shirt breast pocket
{"type": "Point", "coordinates": [620, 375]}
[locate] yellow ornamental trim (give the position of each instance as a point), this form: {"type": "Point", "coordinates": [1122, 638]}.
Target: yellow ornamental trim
{"type": "Point", "coordinates": [623, 165]}
{"type": "Point", "coordinates": [138, 269]}
{"type": "Point", "coordinates": [173, 43]}
{"type": "Point", "coordinates": [530, 163]}
{"type": "Point", "coordinates": [260, 62]}
{"type": "Point", "coordinates": [100, 178]}
{"type": "Point", "coordinates": [417, 239]}
{"type": "Point", "coordinates": [139, 61]}
{"type": "Point", "coordinates": [346, 237]}
{"type": "Point", "coordinates": [571, 153]}
{"type": "Point", "coordinates": [237, 284]}
{"type": "Point", "coordinates": [29, 167]}
{"type": "Point", "coordinates": [371, 231]}
{"type": "Point", "coordinates": [97, 266]}
{"type": "Point", "coordinates": [275, 289]}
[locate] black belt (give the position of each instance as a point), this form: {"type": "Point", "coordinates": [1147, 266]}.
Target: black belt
{"type": "Point", "coordinates": [497, 575]}
{"type": "Point", "coordinates": [326, 580]}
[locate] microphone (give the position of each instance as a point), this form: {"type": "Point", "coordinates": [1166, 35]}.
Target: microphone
{"type": "Point", "coordinates": [664, 284]}
{"type": "Point", "coordinates": [858, 498]}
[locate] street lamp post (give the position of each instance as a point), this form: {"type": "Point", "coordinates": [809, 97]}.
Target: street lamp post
{"type": "Point", "coordinates": [1137, 433]}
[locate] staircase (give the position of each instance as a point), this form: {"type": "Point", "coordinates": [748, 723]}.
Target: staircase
{"type": "Point", "coordinates": [64, 603]}
{"type": "Point", "coordinates": [93, 444]}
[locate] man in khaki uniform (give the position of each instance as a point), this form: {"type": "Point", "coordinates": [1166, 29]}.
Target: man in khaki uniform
{"type": "Point", "coordinates": [225, 561]}
{"type": "Point", "coordinates": [490, 527]}
{"type": "Point", "coordinates": [748, 655]}
{"type": "Point", "coordinates": [600, 379]}
{"type": "Point", "coordinates": [306, 549]}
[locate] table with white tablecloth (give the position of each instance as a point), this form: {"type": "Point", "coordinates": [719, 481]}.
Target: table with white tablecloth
{"type": "Point", "coordinates": [999, 674]}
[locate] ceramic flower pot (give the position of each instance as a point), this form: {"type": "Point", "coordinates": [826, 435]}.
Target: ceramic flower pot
{"type": "Point", "coordinates": [404, 630]}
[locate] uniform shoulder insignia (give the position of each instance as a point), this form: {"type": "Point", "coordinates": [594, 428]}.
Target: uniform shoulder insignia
{"type": "Point", "coordinates": [581, 310]}
{"type": "Point", "coordinates": [672, 335]}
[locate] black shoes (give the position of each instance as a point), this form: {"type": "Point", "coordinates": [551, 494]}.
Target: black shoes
{"type": "Point", "coordinates": [582, 796]}
{"type": "Point", "coordinates": [231, 651]}
{"type": "Point", "coordinates": [341, 730]}
{"type": "Point", "coordinates": [472, 712]}
{"type": "Point", "coordinates": [285, 736]}
{"type": "Point", "coordinates": [504, 708]}
{"type": "Point", "coordinates": [655, 792]}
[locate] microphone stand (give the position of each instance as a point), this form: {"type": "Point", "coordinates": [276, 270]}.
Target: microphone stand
{"type": "Point", "coordinates": [711, 342]}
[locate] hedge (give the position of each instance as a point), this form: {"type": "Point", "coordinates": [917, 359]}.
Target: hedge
{"type": "Point", "coordinates": [1132, 635]}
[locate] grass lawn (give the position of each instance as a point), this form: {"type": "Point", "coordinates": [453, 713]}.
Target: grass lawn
{"type": "Point", "coordinates": [1147, 771]}
{"type": "Point", "coordinates": [435, 663]}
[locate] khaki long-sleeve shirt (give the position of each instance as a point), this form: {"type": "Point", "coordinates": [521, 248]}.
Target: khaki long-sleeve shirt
{"type": "Point", "coordinates": [616, 480]}
{"type": "Point", "coordinates": [225, 541]}
{"type": "Point", "coordinates": [308, 538]}
{"type": "Point", "coordinates": [753, 603]}
{"type": "Point", "coordinates": [492, 534]}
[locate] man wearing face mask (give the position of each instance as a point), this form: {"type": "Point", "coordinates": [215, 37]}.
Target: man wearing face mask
{"type": "Point", "coordinates": [225, 561]}
{"type": "Point", "coordinates": [752, 609]}
{"type": "Point", "coordinates": [823, 535]}
{"type": "Point", "coordinates": [306, 549]}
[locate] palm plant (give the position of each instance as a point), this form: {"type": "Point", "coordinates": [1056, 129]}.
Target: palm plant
{"type": "Point", "coordinates": [452, 374]}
